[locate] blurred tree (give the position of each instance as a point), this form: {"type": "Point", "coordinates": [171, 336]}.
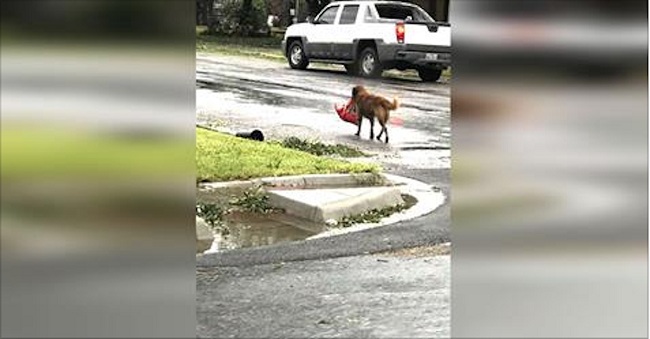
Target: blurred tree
{"type": "Point", "coordinates": [246, 20]}
{"type": "Point", "coordinates": [238, 17]}
{"type": "Point", "coordinates": [203, 8]}
{"type": "Point", "coordinates": [124, 20]}
{"type": "Point", "coordinates": [315, 6]}
{"type": "Point", "coordinates": [285, 17]}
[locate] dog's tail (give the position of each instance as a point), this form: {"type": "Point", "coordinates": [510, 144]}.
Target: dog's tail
{"type": "Point", "coordinates": [390, 106]}
{"type": "Point", "coordinates": [395, 104]}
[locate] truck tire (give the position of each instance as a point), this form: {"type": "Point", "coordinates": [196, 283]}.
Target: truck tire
{"type": "Point", "coordinates": [368, 64]}
{"type": "Point", "coordinates": [296, 56]}
{"type": "Point", "coordinates": [429, 74]}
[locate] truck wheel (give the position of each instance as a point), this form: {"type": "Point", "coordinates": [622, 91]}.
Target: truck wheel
{"type": "Point", "coordinates": [429, 74]}
{"type": "Point", "coordinates": [296, 56]}
{"type": "Point", "coordinates": [368, 63]}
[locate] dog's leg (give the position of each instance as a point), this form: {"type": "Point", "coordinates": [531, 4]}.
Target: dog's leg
{"type": "Point", "coordinates": [381, 117]}
{"type": "Point", "coordinates": [359, 125]}
{"type": "Point", "coordinates": [382, 123]}
{"type": "Point", "coordinates": [372, 128]}
{"type": "Point", "coordinates": [384, 129]}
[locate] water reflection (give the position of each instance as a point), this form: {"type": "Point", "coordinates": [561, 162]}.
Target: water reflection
{"type": "Point", "coordinates": [241, 230]}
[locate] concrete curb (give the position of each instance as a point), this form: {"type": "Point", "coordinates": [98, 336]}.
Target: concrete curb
{"type": "Point", "coordinates": [303, 181]}
{"type": "Point", "coordinates": [428, 200]}
{"type": "Point", "coordinates": [320, 205]}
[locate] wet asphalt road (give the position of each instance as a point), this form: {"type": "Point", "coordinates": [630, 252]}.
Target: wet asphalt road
{"type": "Point", "coordinates": [329, 287]}
{"type": "Point", "coordinates": [243, 94]}
{"type": "Point", "coordinates": [368, 296]}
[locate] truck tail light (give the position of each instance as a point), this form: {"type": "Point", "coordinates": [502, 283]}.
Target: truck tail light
{"type": "Point", "coordinates": [399, 32]}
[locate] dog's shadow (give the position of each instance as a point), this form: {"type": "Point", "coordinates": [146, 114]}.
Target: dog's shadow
{"type": "Point", "coordinates": [365, 142]}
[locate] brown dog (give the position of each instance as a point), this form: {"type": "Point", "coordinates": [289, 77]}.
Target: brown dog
{"type": "Point", "coordinates": [370, 106]}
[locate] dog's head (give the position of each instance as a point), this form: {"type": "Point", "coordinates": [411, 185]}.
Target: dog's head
{"type": "Point", "coordinates": [357, 90]}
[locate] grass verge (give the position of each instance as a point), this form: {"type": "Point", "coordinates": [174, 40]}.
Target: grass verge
{"type": "Point", "coordinates": [260, 47]}
{"type": "Point", "coordinates": [221, 157]}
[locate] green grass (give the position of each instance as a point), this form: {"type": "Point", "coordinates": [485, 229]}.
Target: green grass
{"type": "Point", "coordinates": [37, 153]}
{"type": "Point", "coordinates": [221, 157]}
{"type": "Point", "coordinates": [269, 48]}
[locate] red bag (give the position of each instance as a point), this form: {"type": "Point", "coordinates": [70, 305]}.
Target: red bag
{"type": "Point", "coordinates": [345, 114]}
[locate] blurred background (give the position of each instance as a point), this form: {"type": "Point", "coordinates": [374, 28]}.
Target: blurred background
{"type": "Point", "coordinates": [549, 109]}
{"type": "Point", "coordinates": [97, 169]}
{"type": "Point", "coordinates": [549, 169]}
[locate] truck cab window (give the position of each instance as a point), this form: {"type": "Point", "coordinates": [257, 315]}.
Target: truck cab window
{"type": "Point", "coordinates": [328, 16]}
{"type": "Point", "coordinates": [349, 14]}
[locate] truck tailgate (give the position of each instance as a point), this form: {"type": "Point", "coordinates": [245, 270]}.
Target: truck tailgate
{"type": "Point", "coordinates": [437, 34]}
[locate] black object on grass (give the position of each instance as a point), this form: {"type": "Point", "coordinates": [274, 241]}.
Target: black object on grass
{"type": "Point", "coordinates": [254, 135]}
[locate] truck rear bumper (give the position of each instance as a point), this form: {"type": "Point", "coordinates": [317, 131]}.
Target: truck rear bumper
{"type": "Point", "coordinates": [414, 55]}
{"type": "Point", "coordinates": [424, 59]}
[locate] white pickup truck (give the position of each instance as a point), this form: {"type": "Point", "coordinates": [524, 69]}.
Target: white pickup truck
{"type": "Point", "coordinates": [371, 36]}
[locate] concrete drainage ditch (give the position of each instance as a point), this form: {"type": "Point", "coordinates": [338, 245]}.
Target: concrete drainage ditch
{"type": "Point", "coordinates": [275, 210]}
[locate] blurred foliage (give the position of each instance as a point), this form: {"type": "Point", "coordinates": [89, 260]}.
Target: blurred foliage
{"type": "Point", "coordinates": [375, 215]}
{"type": "Point", "coordinates": [254, 200]}
{"type": "Point", "coordinates": [148, 20]}
{"type": "Point", "coordinates": [239, 17]}
{"type": "Point", "coordinates": [210, 213]}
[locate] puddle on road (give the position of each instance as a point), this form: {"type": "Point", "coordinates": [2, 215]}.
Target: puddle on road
{"type": "Point", "coordinates": [422, 158]}
{"type": "Point", "coordinates": [257, 230]}
{"type": "Point", "coordinates": [263, 94]}
{"type": "Point", "coordinates": [245, 93]}
{"type": "Point", "coordinates": [243, 230]}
